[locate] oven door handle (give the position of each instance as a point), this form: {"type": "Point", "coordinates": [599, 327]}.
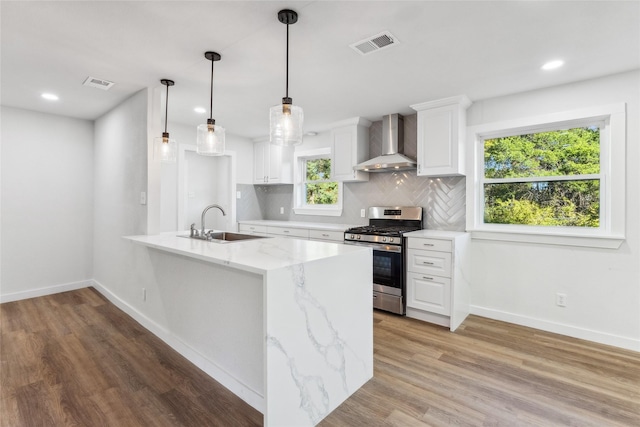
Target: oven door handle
{"type": "Point", "coordinates": [376, 246]}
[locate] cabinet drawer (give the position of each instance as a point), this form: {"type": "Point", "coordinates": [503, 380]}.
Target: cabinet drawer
{"type": "Point", "coordinates": [429, 262]}
{"type": "Point", "coordinates": [300, 233]}
{"type": "Point", "coordinates": [337, 236]}
{"type": "Point", "coordinates": [252, 229]}
{"type": "Point", "coordinates": [429, 244]}
{"type": "Point", "coordinates": [429, 293]}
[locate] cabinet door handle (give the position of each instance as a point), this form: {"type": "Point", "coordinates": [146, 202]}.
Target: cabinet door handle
{"type": "Point", "coordinates": [285, 231]}
{"type": "Point", "coordinates": [428, 244]}
{"type": "Point", "coordinates": [325, 235]}
{"type": "Point", "coordinates": [427, 278]}
{"type": "Point", "coordinates": [427, 263]}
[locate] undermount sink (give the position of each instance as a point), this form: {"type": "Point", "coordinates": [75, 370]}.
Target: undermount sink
{"type": "Point", "coordinates": [224, 237]}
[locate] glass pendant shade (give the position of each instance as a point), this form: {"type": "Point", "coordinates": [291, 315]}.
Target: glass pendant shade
{"type": "Point", "coordinates": [286, 124]}
{"type": "Point", "coordinates": [165, 149]}
{"type": "Point", "coordinates": [210, 139]}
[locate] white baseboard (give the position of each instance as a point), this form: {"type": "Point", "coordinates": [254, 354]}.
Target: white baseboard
{"type": "Point", "coordinates": [48, 290]}
{"type": "Point", "coordinates": [558, 328]}
{"type": "Point", "coordinates": [247, 394]}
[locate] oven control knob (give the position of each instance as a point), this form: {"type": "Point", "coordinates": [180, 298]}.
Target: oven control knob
{"type": "Point", "coordinates": [384, 239]}
{"type": "Point", "coordinates": [390, 239]}
{"type": "Point", "coordinates": [358, 237]}
{"type": "Point", "coordinates": [352, 236]}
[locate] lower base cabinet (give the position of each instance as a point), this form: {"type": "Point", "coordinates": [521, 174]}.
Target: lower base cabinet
{"type": "Point", "coordinates": [293, 232]}
{"type": "Point", "coordinates": [438, 289]}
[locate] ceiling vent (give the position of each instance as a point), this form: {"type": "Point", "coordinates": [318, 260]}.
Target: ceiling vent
{"type": "Point", "coordinates": [98, 83]}
{"type": "Point", "coordinates": [374, 43]}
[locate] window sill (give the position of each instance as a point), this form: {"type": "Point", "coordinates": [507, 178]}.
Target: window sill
{"type": "Point", "coordinates": [560, 239]}
{"type": "Point", "coordinates": [318, 211]}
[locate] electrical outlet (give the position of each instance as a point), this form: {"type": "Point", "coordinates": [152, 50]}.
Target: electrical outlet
{"type": "Point", "coordinates": [144, 294]}
{"type": "Point", "coordinates": [143, 198]}
{"type": "Point", "coordinates": [238, 195]}
{"type": "Point", "coordinates": [362, 213]}
{"type": "Point", "coordinates": [281, 210]}
{"type": "Point", "coordinates": [561, 299]}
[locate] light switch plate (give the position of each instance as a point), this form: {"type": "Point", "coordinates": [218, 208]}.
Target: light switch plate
{"type": "Point", "coordinates": [238, 195]}
{"type": "Point", "coordinates": [362, 213]}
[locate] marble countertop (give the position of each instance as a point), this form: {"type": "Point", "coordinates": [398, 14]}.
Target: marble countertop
{"type": "Point", "coordinates": [435, 234]}
{"type": "Point", "coordinates": [255, 256]}
{"type": "Point", "coordinates": [298, 224]}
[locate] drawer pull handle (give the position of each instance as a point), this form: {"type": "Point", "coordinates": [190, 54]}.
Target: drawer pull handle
{"type": "Point", "coordinates": [427, 263]}
{"type": "Point", "coordinates": [325, 235]}
{"type": "Point", "coordinates": [427, 278]}
{"type": "Point", "coordinates": [285, 231]}
{"type": "Point", "coordinates": [428, 244]}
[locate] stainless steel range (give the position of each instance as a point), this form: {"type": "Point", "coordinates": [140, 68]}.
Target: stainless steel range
{"type": "Point", "coordinates": [384, 234]}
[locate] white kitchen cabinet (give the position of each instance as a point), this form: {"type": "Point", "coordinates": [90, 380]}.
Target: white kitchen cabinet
{"type": "Point", "coordinates": [350, 146]}
{"type": "Point", "coordinates": [296, 233]}
{"type": "Point", "coordinates": [327, 235]}
{"type": "Point", "coordinates": [272, 164]}
{"type": "Point", "coordinates": [258, 230]}
{"type": "Point", "coordinates": [438, 288]}
{"type": "Point", "coordinates": [441, 136]}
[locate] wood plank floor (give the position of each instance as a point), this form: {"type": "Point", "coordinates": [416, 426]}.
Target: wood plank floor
{"type": "Point", "coordinates": [75, 359]}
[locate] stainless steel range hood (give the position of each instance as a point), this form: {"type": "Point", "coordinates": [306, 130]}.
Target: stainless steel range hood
{"type": "Point", "coordinates": [392, 158]}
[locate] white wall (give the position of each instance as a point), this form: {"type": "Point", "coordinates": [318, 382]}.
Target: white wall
{"type": "Point", "coordinates": [121, 142]}
{"type": "Point", "coordinates": [47, 203]}
{"type": "Point", "coordinates": [518, 282]}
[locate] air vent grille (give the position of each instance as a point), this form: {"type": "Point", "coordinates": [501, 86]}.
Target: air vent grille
{"type": "Point", "coordinates": [374, 43]}
{"type": "Point", "coordinates": [98, 83]}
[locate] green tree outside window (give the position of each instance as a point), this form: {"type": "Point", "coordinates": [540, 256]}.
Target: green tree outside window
{"type": "Point", "coordinates": [319, 189]}
{"type": "Point", "coordinates": [570, 194]}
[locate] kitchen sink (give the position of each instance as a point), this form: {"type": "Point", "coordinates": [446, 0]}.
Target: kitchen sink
{"type": "Point", "coordinates": [224, 237]}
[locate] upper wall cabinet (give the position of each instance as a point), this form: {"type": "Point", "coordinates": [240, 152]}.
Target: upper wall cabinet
{"type": "Point", "coordinates": [350, 139]}
{"type": "Point", "coordinates": [272, 164]}
{"type": "Point", "coordinates": [441, 136]}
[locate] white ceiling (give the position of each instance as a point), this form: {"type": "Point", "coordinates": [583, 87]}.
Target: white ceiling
{"type": "Point", "coordinates": [446, 48]}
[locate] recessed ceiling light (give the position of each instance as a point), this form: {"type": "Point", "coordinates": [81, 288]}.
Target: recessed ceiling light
{"type": "Point", "coordinates": [199, 110]}
{"type": "Point", "coordinates": [552, 65]}
{"type": "Point", "coordinates": [50, 96]}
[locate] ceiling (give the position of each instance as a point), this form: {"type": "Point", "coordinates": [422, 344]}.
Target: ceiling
{"type": "Point", "coordinates": [481, 49]}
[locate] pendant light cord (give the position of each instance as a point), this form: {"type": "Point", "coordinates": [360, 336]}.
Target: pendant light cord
{"type": "Point", "coordinates": [211, 99]}
{"type": "Point", "coordinates": [287, 73]}
{"type": "Point", "coordinates": [166, 110]}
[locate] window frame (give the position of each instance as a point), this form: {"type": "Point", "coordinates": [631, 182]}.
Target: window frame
{"type": "Point", "coordinates": [610, 233]}
{"type": "Point", "coordinates": [299, 186]}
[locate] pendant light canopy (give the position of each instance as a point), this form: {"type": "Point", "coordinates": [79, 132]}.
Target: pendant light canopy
{"type": "Point", "coordinates": [210, 135]}
{"type": "Point", "coordinates": [165, 148]}
{"type": "Point", "coordinates": [286, 119]}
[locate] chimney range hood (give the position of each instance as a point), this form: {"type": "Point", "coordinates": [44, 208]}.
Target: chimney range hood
{"type": "Point", "coordinates": [392, 158]}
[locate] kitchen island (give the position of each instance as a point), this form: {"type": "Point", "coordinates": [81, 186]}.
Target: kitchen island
{"type": "Point", "coordinates": [285, 324]}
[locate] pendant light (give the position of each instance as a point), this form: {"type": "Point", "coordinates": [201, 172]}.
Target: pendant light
{"type": "Point", "coordinates": [286, 119]}
{"type": "Point", "coordinates": [164, 147]}
{"type": "Point", "coordinates": [210, 135]}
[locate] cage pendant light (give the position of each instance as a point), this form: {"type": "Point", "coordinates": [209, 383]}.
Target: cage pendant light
{"type": "Point", "coordinates": [165, 148]}
{"type": "Point", "coordinates": [286, 119]}
{"type": "Point", "coordinates": [210, 135]}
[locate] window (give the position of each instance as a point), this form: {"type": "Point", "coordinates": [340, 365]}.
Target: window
{"type": "Point", "coordinates": [315, 191]}
{"type": "Point", "coordinates": [549, 178]}
{"type": "Point", "coordinates": [555, 179]}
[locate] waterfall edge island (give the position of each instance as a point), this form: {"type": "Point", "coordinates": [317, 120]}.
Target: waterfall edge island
{"type": "Point", "coordinates": [285, 324]}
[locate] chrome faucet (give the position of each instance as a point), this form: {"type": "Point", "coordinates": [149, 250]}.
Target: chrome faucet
{"type": "Point", "coordinates": [202, 232]}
